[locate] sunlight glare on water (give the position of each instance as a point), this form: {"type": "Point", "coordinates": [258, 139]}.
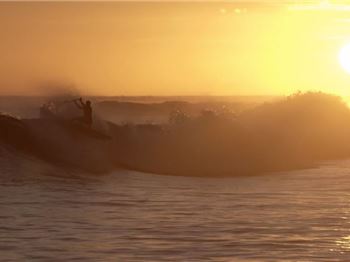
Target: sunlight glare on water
{"type": "Point", "coordinates": [54, 214]}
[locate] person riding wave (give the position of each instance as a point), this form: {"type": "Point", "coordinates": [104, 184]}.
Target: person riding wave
{"type": "Point", "coordinates": [87, 110]}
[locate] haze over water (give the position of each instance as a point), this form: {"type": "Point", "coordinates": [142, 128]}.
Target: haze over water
{"type": "Point", "coordinates": [91, 93]}
{"type": "Point", "coordinates": [48, 213]}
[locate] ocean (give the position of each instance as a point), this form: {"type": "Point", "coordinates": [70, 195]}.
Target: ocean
{"type": "Point", "coordinates": [49, 213]}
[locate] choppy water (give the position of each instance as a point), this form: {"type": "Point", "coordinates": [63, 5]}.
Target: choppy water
{"type": "Point", "coordinates": [49, 214]}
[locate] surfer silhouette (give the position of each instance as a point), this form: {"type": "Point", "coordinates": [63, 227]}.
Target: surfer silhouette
{"type": "Point", "coordinates": [87, 110]}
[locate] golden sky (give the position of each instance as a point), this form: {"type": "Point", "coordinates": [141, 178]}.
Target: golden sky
{"type": "Point", "coordinates": [183, 48]}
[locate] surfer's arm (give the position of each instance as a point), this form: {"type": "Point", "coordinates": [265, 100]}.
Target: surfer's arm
{"type": "Point", "coordinates": [77, 104]}
{"type": "Point", "coordinates": [82, 103]}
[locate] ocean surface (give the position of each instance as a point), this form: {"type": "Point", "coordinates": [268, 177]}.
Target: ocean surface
{"type": "Point", "coordinates": [48, 213]}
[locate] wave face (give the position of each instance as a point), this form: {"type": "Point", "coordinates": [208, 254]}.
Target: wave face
{"type": "Point", "coordinates": [53, 141]}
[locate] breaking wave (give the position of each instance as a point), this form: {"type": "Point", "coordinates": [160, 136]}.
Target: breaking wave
{"type": "Point", "coordinates": [55, 142]}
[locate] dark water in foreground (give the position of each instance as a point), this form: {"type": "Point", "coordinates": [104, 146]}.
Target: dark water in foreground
{"type": "Point", "coordinates": [49, 214]}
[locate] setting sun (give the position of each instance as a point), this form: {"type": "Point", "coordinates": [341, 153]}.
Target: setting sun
{"type": "Point", "coordinates": [344, 58]}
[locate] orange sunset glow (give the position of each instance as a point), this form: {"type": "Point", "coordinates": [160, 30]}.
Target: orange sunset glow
{"type": "Point", "coordinates": [176, 48]}
{"type": "Point", "coordinates": [189, 131]}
